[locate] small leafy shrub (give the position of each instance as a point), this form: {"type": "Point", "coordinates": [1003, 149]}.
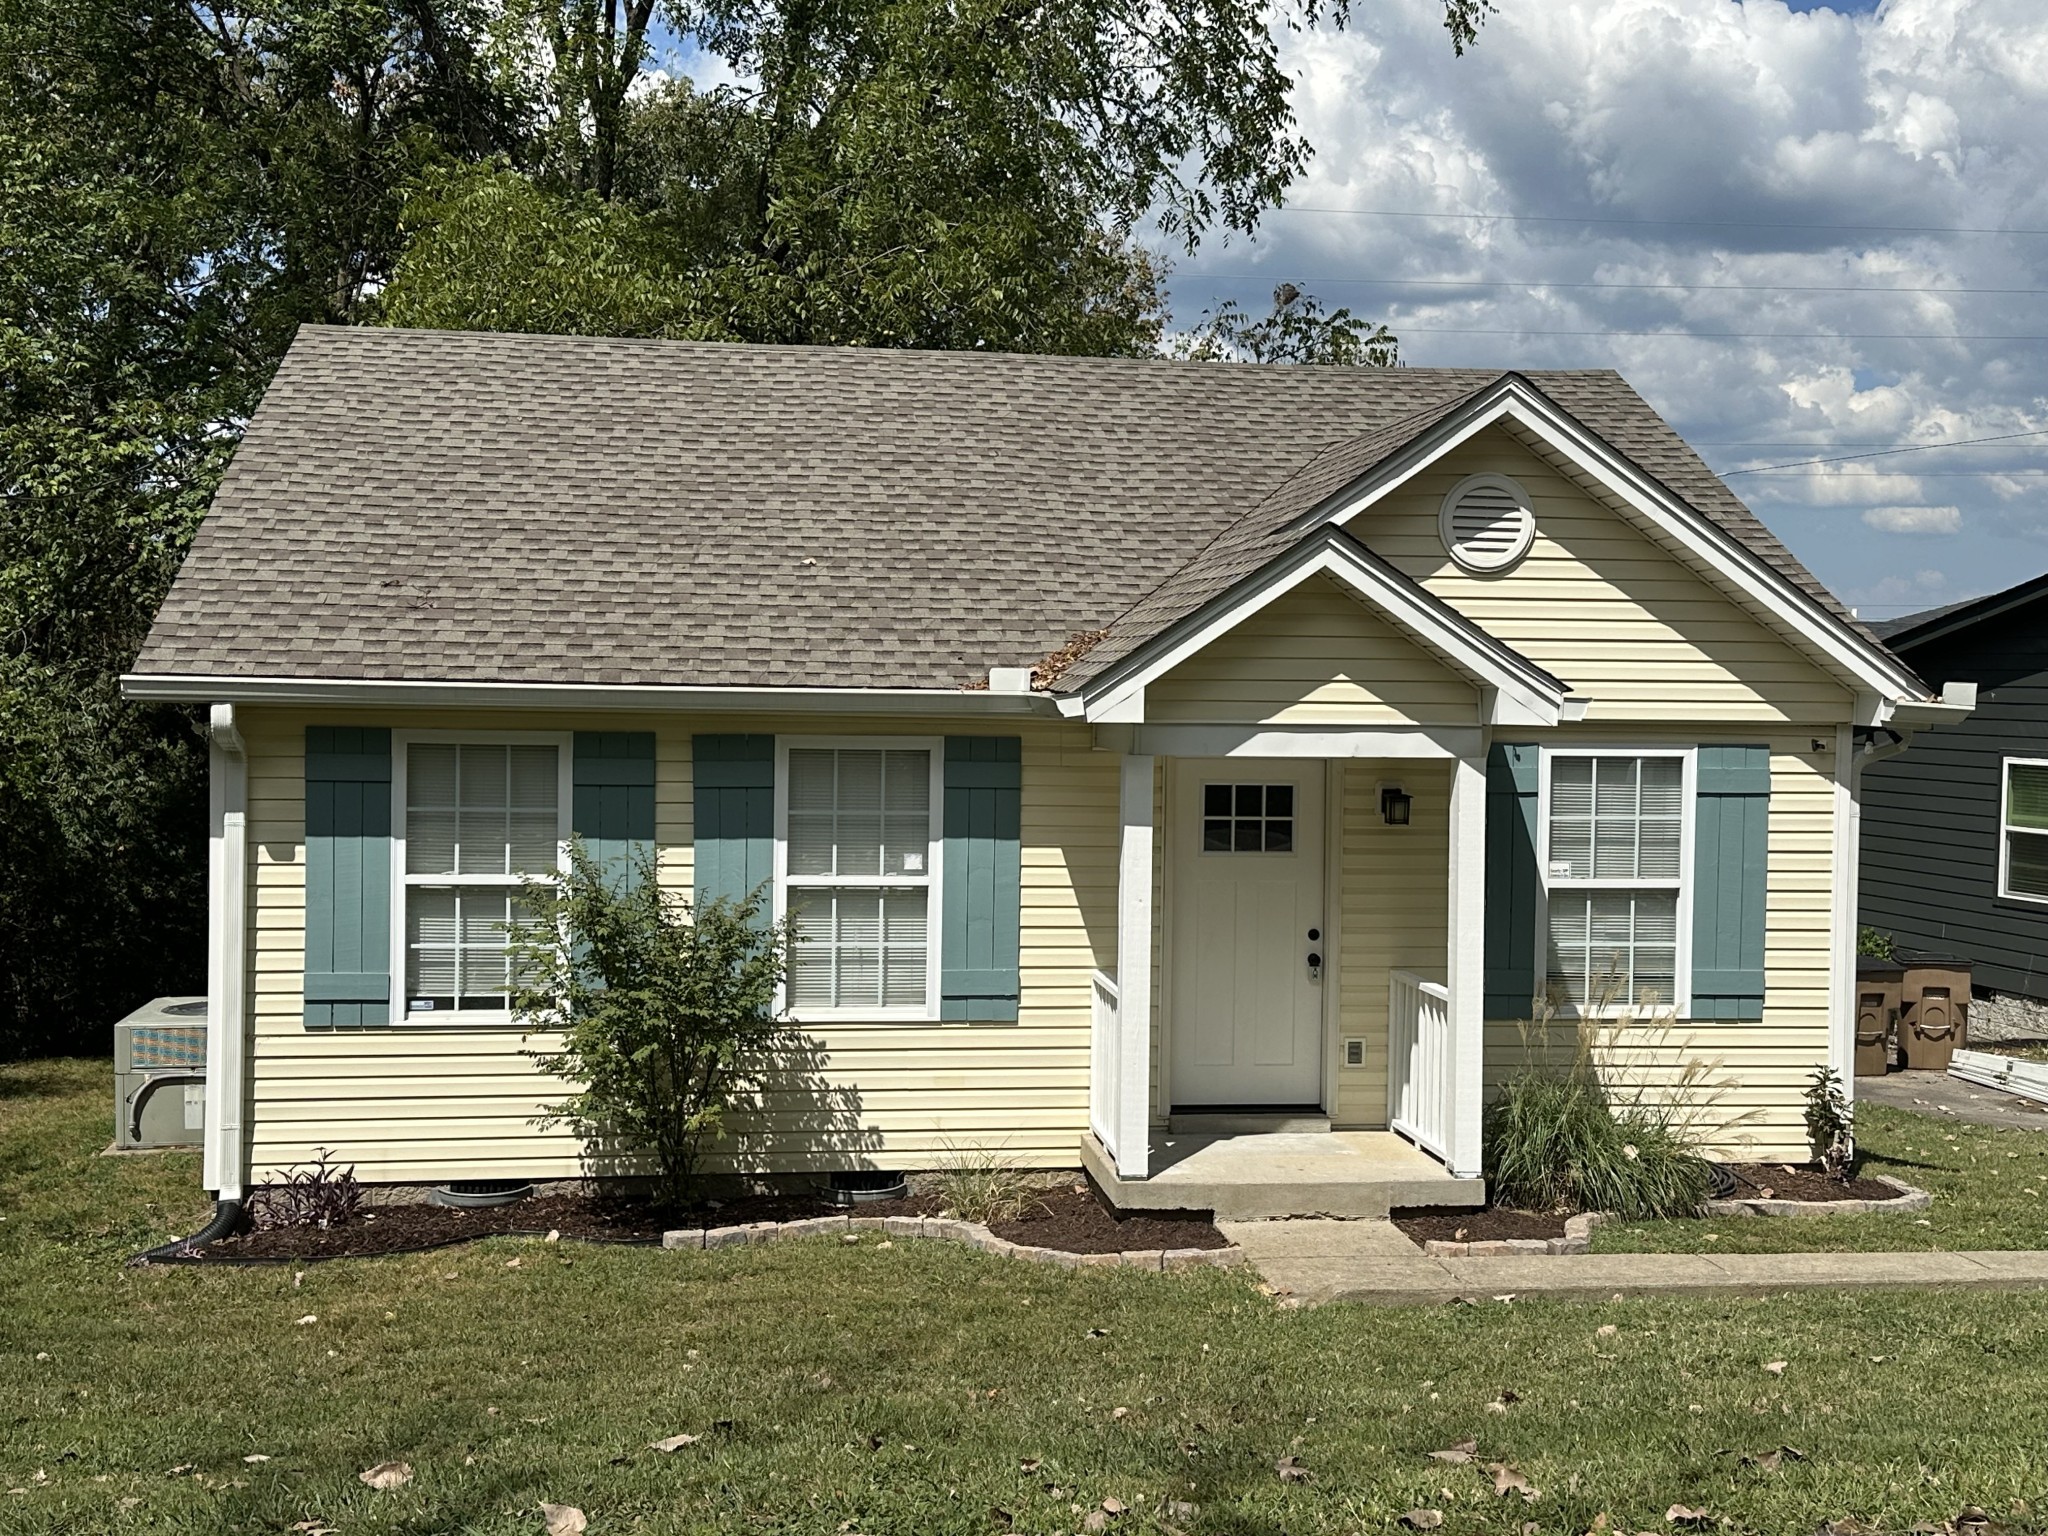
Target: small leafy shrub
{"type": "Point", "coordinates": [666, 1013]}
{"type": "Point", "coordinates": [314, 1194]}
{"type": "Point", "coordinates": [1830, 1124]}
{"type": "Point", "coordinates": [1876, 944]}
{"type": "Point", "coordinates": [983, 1186]}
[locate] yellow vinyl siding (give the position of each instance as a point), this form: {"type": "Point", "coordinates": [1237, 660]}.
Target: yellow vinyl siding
{"type": "Point", "coordinates": [1316, 656]}
{"type": "Point", "coordinates": [413, 1102]}
{"type": "Point", "coordinates": [1392, 915]}
{"type": "Point", "coordinates": [1599, 604]}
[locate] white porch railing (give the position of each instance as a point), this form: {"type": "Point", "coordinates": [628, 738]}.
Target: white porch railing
{"type": "Point", "coordinates": [1419, 1061]}
{"type": "Point", "coordinates": [1103, 1078]}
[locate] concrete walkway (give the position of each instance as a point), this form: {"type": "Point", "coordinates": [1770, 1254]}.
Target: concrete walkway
{"type": "Point", "coordinates": [1374, 1262]}
{"type": "Point", "coordinates": [1936, 1093]}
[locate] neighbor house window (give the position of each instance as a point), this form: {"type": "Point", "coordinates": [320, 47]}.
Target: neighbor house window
{"type": "Point", "coordinates": [857, 854]}
{"type": "Point", "coordinates": [478, 818]}
{"type": "Point", "coordinates": [1614, 860]}
{"type": "Point", "coordinates": [2023, 861]}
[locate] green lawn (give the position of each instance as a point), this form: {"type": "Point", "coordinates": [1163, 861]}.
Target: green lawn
{"type": "Point", "coordinates": [921, 1388]}
{"type": "Point", "coordinates": [1990, 1188]}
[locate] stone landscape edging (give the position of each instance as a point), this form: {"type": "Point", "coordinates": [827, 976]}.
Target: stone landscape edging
{"type": "Point", "coordinates": [1578, 1230]}
{"type": "Point", "coordinates": [949, 1229]}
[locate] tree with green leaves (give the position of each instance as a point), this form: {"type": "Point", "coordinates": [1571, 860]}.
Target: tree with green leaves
{"type": "Point", "coordinates": [883, 173]}
{"type": "Point", "coordinates": [1298, 330]}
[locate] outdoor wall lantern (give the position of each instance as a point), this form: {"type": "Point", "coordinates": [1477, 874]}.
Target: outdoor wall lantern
{"type": "Point", "coordinates": [1395, 803]}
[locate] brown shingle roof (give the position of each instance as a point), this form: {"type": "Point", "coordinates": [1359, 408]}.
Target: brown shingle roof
{"type": "Point", "coordinates": [478, 507]}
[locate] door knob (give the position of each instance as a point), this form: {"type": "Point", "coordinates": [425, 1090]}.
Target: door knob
{"type": "Point", "coordinates": [1315, 966]}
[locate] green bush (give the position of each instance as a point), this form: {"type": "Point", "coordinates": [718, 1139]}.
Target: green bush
{"type": "Point", "coordinates": [667, 1015]}
{"type": "Point", "coordinates": [1876, 944]}
{"type": "Point", "coordinates": [1555, 1142]}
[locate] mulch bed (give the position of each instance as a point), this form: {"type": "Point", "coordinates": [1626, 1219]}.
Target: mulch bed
{"type": "Point", "coordinates": [1075, 1219]}
{"type": "Point", "coordinates": [1071, 1219]}
{"type": "Point", "coordinates": [1791, 1181]}
{"type": "Point", "coordinates": [1463, 1224]}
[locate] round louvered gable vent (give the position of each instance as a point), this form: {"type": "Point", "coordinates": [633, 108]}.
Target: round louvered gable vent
{"type": "Point", "coordinates": [1486, 523]}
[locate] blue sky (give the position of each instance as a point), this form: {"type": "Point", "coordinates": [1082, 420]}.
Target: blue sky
{"type": "Point", "coordinates": [1800, 232]}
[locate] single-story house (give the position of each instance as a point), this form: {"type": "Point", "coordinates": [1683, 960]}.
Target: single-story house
{"type": "Point", "coordinates": [1132, 741]}
{"type": "Point", "coordinates": [1955, 832]}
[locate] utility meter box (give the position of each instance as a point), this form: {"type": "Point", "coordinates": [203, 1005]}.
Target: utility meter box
{"type": "Point", "coordinates": [160, 1074]}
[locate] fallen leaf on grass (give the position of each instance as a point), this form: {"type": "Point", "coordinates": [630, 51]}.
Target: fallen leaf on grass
{"type": "Point", "coordinates": [1098, 1333]}
{"type": "Point", "coordinates": [1678, 1514]}
{"type": "Point", "coordinates": [514, 1263]}
{"type": "Point", "coordinates": [310, 1317]}
{"type": "Point", "coordinates": [1605, 1331]}
{"type": "Point", "coordinates": [1291, 1470]}
{"type": "Point", "coordinates": [1776, 1367]}
{"type": "Point", "coordinates": [1457, 1454]}
{"type": "Point", "coordinates": [1770, 1461]}
{"type": "Point", "coordinates": [255, 1458]}
{"type": "Point", "coordinates": [1423, 1519]}
{"type": "Point", "coordinates": [1507, 1480]}
{"type": "Point", "coordinates": [564, 1520]}
{"type": "Point", "coordinates": [313, 1528]}
{"type": "Point", "coordinates": [1113, 1506]}
{"type": "Point", "coordinates": [1030, 1464]}
{"type": "Point", "coordinates": [672, 1443]}
{"type": "Point", "coordinates": [386, 1475]}
{"type": "Point", "coordinates": [180, 1470]}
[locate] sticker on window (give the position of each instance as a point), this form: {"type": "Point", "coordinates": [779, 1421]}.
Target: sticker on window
{"type": "Point", "coordinates": [1562, 868]}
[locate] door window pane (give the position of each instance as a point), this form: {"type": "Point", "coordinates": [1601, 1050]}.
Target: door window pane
{"type": "Point", "coordinates": [1247, 818]}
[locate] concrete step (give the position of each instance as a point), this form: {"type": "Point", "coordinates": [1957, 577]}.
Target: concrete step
{"type": "Point", "coordinates": [1247, 1123]}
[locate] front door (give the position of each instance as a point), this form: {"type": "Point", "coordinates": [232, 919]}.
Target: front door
{"type": "Point", "coordinates": [1245, 1000]}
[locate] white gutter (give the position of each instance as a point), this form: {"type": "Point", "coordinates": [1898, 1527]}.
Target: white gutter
{"type": "Point", "coordinates": [226, 1167]}
{"type": "Point", "coordinates": [405, 693]}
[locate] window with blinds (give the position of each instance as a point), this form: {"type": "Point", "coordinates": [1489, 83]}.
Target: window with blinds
{"type": "Point", "coordinates": [2023, 861]}
{"type": "Point", "coordinates": [1614, 860]}
{"type": "Point", "coordinates": [479, 819]}
{"type": "Point", "coordinates": [859, 850]}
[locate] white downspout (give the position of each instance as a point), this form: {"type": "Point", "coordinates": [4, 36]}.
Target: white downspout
{"type": "Point", "coordinates": [226, 1168]}
{"type": "Point", "coordinates": [1847, 873]}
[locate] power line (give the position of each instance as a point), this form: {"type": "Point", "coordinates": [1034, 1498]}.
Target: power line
{"type": "Point", "coordinates": [1460, 282]}
{"type": "Point", "coordinates": [1558, 218]}
{"type": "Point", "coordinates": [1917, 474]}
{"type": "Point", "coordinates": [1884, 453]}
{"type": "Point", "coordinates": [1400, 328]}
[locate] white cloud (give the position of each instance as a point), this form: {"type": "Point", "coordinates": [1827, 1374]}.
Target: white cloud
{"type": "Point", "coordinates": [1914, 519]}
{"type": "Point", "coordinates": [1736, 117]}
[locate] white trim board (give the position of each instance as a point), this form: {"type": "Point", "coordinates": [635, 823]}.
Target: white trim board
{"type": "Point", "coordinates": [1515, 691]}
{"type": "Point", "coordinates": [405, 693]}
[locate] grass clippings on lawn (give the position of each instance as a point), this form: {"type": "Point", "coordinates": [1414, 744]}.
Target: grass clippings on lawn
{"type": "Point", "coordinates": [1989, 1185]}
{"type": "Point", "coordinates": [924, 1389]}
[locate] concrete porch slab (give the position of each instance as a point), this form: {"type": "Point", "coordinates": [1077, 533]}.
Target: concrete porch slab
{"type": "Point", "coordinates": [1350, 1174]}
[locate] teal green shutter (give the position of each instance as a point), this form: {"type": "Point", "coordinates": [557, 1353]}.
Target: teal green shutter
{"type": "Point", "coordinates": [1731, 849]}
{"type": "Point", "coordinates": [1512, 883]}
{"type": "Point", "coordinates": [983, 813]}
{"type": "Point", "coordinates": [735, 815]}
{"type": "Point", "coordinates": [348, 875]}
{"type": "Point", "coordinates": [612, 809]}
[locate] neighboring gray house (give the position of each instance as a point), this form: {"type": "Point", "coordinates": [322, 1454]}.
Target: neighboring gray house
{"type": "Point", "coordinates": [1955, 832]}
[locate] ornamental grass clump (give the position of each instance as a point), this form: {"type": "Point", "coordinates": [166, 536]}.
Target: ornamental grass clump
{"type": "Point", "coordinates": [667, 1014]}
{"type": "Point", "coordinates": [1614, 1128]}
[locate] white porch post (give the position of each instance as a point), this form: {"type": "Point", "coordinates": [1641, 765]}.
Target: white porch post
{"type": "Point", "coordinates": [1132, 1113]}
{"type": "Point", "coordinates": [1465, 968]}
{"type": "Point", "coordinates": [1842, 957]}
{"type": "Point", "coordinates": [224, 1161]}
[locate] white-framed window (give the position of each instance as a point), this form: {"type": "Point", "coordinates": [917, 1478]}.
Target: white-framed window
{"type": "Point", "coordinates": [1615, 852]}
{"type": "Point", "coordinates": [472, 817]}
{"type": "Point", "coordinates": [2023, 829]}
{"type": "Point", "coordinates": [857, 846]}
